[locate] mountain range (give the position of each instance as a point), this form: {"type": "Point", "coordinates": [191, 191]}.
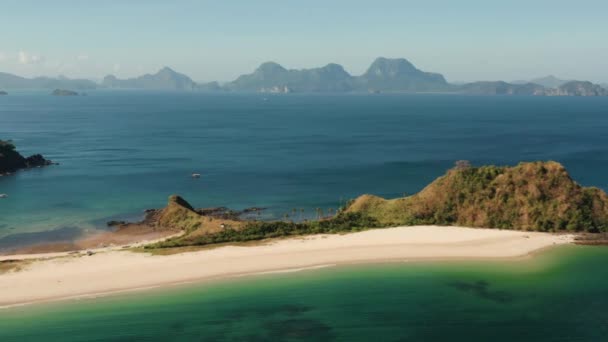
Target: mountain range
{"type": "Point", "coordinates": [10, 81]}
{"type": "Point", "coordinates": [385, 75]}
{"type": "Point", "coordinates": [547, 81]}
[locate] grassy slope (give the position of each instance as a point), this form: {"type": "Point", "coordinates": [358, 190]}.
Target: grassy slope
{"type": "Point", "coordinates": [530, 196]}
{"type": "Point", "coordinates": [537, 196]}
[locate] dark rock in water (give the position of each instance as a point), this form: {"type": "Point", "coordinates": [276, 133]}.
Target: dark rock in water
{"type": "Point", "coordinates": [64, 92]}
{"type": "Point", "coordinates": [252, 209]}
{"type": "Point", "coordinates": [3, 93]}
{"type": "Point", "coordinates": [37, 160]}
{"type": "Point", "coordinates": [11, 160]}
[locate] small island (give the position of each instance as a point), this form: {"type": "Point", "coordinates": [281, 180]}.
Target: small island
{"type": "Point", "coordinates": [64, 92]}
{"type": "Point", "coordinates": [11, 160]}
{"type": "Point", "coordinates": [2, 92]}
{"type": "Point", "coordinates": [519, 207]}
{"type": "Point", "coordinates": [534, 196]}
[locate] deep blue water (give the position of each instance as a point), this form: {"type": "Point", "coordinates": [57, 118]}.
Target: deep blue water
{"type": "Point", "coordinates": [122, 152]}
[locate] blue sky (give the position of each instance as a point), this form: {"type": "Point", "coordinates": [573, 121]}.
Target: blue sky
{"type": "Point", "coordinates": [218, 40]}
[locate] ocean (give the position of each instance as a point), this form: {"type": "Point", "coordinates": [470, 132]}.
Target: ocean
{"type": "Point", "coordinates": [558, 295]}
{"type": "Point", "coordinates": [123, 152]}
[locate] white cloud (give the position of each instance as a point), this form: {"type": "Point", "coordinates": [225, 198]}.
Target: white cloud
{"type": "Point", "coordinates": [82, 57]}
{"type": "Point", "coordinates": [28, 58]}
{"type": "Point", "coordinates": [2, 56]}
{"type": "Point", "coordinates": [116, 67]}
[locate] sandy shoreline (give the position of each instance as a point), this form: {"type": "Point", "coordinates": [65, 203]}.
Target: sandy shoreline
{"type": "Point", "coordinates": [111, 271]}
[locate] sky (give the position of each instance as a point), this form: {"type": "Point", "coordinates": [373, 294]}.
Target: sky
{"type": "Point", "coordinates": [466, 40]}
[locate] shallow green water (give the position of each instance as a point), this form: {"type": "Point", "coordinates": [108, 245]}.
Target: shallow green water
{"type": "Point", "coordinates": [560, 295]}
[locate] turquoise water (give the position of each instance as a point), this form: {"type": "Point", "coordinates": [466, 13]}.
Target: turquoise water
{"type": "Point", "coordinates": [123, 152]}
{"type": "Point", "coordinates": [560, 295]}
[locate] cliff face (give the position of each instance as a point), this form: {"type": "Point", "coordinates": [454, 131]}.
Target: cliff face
{"type": "Point", "coordinates": [530, 196]}
{"type": "Point", "coordinates": [578, 88]}
{"type": "Point", "coordinates": [502, 88]}
{"type": "Point", "coordinates": [11, 160]}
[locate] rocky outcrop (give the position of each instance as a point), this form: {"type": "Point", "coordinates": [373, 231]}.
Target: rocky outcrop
{"type": "Point", "coordinates": [578, 88]}
{"type": "Point", "coordinates": [501, 88]}
{"type": "Point", "coordinates": [64, 92]}
{"type": "Point", "coordinates": [11, 160]}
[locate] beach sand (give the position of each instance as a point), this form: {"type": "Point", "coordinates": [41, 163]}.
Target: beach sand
{"type": "Point", "coordinates": [63, 276]}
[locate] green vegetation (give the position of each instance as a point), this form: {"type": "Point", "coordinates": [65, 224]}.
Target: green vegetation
{"type": "Point", "coordinates": [260, 230]}
{"type": "Point", "coordinates": [537, 196]}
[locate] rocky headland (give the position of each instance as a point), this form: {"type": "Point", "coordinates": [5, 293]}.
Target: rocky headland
{"type": "Point", "coordinates": [64, 92]}
{"type": "Point", "coordinates": [11, 160]}
{"type": "Point", "coordinates": [534, 196]}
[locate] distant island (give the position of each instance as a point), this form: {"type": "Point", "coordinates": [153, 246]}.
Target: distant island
{"type": "Point", "coordinates": [11, 160]}
{"type": "Point", "coordinates": [64, 92]}
{"type": "Point", "coordinates": [2, 92]}
{"type": "Point", "coordinates": [547, 81]}
{"type": "Point", "coordinates": [535, 196]}
{"type": "Point", "coordinates": [9, 81]}
{"type": "Point", "coordinates": [385, 75]}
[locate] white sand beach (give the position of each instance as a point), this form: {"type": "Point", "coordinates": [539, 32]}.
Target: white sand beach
{"type": "Point", "coordinates": [63, 276]}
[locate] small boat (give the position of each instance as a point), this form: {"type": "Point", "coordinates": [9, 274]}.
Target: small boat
{"type": "Point", "coordinates": [196, 175]}
{"type": "Point", "coordinates": [3, 196]}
